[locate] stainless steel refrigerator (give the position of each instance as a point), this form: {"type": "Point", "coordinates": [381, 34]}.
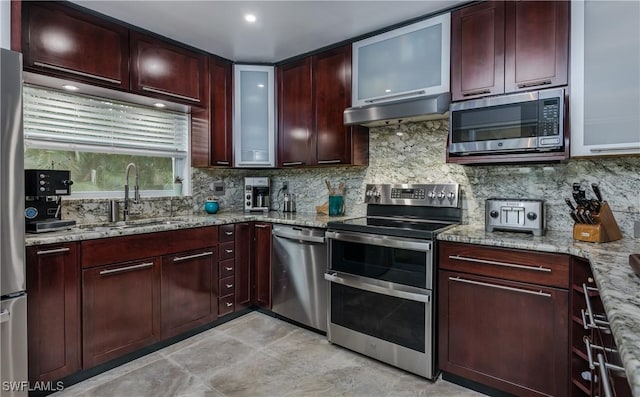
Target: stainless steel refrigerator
{"type": "Point", "coordinates": [13, 296]}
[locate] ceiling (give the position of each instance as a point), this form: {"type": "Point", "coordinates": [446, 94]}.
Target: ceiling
{"type": "Point", "coordinates": [283, 28]}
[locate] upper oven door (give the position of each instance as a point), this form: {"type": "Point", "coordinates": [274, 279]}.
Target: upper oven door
{"type": "Point", "coordinates": [392, 259]}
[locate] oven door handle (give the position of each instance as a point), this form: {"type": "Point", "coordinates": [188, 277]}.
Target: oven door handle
{"type": "Point", "coordinates": [381, 240]}
{"type": "Point", "coordinates": [397, 291]}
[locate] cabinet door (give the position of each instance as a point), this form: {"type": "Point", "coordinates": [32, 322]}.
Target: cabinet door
{"type": "Point", "coordinates": [508, 335]}
{"type": "Point", "coordinates": [262, 252]}
{"type": "Point", "coordinates": [536, 44]}
{"type": "Point", "coordinates": [254, 116]}
{"type": "Point", "coordinates": [243, 264]}
{"type": "Point", "coordinates": [295, 114]}
{"type": "Point", "coordinates": [189, 297]}
{"type": "Point", "coordinates": [53, 310]}
{"type": "Point", "coordinates": [332, 85]}
{"type": "Point", "coordinates": [120, 309]}
{"type": "Point", "coordinates": [160, 69]}
{"type": "Point", "coordinates": [63, 42]}
{"type": "Point", "coordinates": [477, 50]}
{"type": "Point", "coordinates": [221, 112]}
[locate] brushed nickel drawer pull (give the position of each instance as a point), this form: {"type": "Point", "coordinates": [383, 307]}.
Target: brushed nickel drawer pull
{"type": "Point", "coordinates": [229, 233]}
{"type": "Point", "coordinates": [505, 264]}
{"type": "Point", "coordinates": [163, 92]}
{"type": "Point", "coordinates": [76, 72]}
{"type": "Point", "coordinates": [288, 163]}
{"type": "Point", "coordinates": [126, 268]}
{"type": "Point", "coordinates": [262, 226]}
{"type": "Point", "coordinates": [534, 83]}
{"type": "Point", "coordinates": [480, 92]}
{"type": "Point", "coordinates": [229, 304]}
{"type": "Point", "coordinates": [504, 287]}
{"type": "Point", "coordinates": [54, 251]}
{"type": "Point", "coordinates": [228, 251]}
{"type": "Point", "coordinates": [229, 285]}
{"type": "Point", "coordinates": [228, 268]}
{"type": "Point", "coordinates": [184, 258]}
{"type": "Point", "coordinates": [222, 162]}
{"type": "Point", "coordinates": [329, 161]}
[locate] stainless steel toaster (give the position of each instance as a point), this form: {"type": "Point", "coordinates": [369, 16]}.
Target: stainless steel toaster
{"type": "Point", "coordinates": [516, 215]}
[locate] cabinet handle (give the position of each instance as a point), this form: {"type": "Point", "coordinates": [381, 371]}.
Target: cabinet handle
{"type": "Point", "coordinates": [262, 226]}
{"type": "Point", "coordinates": [524, 291]}
{"type": "Point", "coordinates": [76, 72]}
{"type": "Point", "coordinates": [229, 304]}
{"type": "Point", "coordinates": [228, 251]}
{"type": "Point", "coordinates": [480, 92]}
{"type": "Point", "coordinates": [229, 286]}
{"type": "Point", "coordinates": [505, 264]}
{"type": "Point", "coordinates": [613, 149]}
{"type": "Point", "coordinates": [387, 97]}
{"type": "Point", "coordinates": [229, 233]}
{"type": "Point", "coordinates": [604, 377]}
{"type": "Point", "coordinates": [4, 316]}
{"type": "Point", "coordinates": [227, 268]}
{"type": "Point", "coordinates": [593, 321]}
{"type": "Point", "coordinates": [222, 162]}
{"type": "Point", "coordinates": [126, 268]}
{"type": "Point", "coordinates": [534, 83]}
{"type": "Point", "coordinates": [289, 163]}
{"type": "Point", "coordinates": [163, 92]}
{"type": "Point", "coordinates": [184, 258]}
{"type": "Point", "coordinates": [329, 161]}
{"type": "Point", "coordinates": [54, 251]}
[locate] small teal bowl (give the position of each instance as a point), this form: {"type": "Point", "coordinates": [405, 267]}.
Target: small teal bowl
{"type": "Point", "coordinates": [211, 207]}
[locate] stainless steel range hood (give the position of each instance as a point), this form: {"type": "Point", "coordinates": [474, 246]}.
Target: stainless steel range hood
{"type": "Point", "coordinates": [415, 109]}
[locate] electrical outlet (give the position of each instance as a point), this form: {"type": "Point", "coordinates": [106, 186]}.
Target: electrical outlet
{"type": "Point", "coordinates": [285, 186]}
{"type": "Point", "coordinates": [217, 188]}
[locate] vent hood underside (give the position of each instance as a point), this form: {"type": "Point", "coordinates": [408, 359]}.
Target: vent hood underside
{"type": "Point", "coordinates": [415, 109]}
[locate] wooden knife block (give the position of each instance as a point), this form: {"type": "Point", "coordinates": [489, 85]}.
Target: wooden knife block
{"type": "Point", "coordinates": [606, 228]}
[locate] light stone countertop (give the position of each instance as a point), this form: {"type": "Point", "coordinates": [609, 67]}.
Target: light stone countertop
{"type": "Point", "coordinates": [619, 286]}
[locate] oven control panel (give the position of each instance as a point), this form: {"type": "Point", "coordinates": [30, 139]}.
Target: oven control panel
{"type": "Point", "coordinates": [431, 195]}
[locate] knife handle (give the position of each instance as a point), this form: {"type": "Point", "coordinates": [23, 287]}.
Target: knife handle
{"type": "Point", "coordinates": [576, 186]}
{"type": "Point", "coordinates": [569, 203]}
{"type": "Point", "coordinates": [596, 191]}
{"type": "Point", "coordinates": [574, 217]}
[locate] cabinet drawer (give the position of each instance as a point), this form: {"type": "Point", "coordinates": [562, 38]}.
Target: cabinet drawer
{"type": "Point", "coordinates": [227, 268]}
{"type": "Point", "coordinates": [227, 250]}
{"type": "Point", "coordinates": [511, 264]}
{"type": "Point", "coordinates": [226, 305]}
{"type": "Point", "coordinates": [227, 286]}
{"type": "Point", "coordinates": [227, 233]}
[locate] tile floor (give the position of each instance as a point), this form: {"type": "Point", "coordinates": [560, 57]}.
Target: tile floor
{"type": "Point", "coordinates": [258, 355]}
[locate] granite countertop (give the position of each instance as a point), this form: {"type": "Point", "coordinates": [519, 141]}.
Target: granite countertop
{"type": "Point", "coordinates": [95, 231]}
{"type": "Point", "coordinates": [619, 286]}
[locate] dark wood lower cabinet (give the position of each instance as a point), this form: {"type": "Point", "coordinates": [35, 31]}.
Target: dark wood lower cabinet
{"type": "Point", "coordinates": [120, 309]}
{"type": "Point", "coordinates": [188, 285]}
{"type": "Point", "coordinates": [53, 310]}
{"type": "Point", "coordinates": [243, 264]}
{"type": "Point", "coordinates": [262, 261]}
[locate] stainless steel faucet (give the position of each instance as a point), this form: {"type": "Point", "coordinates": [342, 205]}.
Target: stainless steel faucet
{"type": "Point", "coordinates": [136, 190]}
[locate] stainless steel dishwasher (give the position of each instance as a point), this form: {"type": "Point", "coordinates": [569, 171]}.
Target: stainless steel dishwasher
{"type": "Point", "coordinates": [299, 261]}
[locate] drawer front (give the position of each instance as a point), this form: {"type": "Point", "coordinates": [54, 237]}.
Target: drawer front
{"type": "Point", "coordinates": [227, 268]}
{"type": "Point", "coordinates": [510, 264]}
{"type": "Point", "coordinates": [227, 286]}
{"type": "Point", "coordinates": [227, 250]}
{"type": "Point", "coordinates": [225, 305]}
{"type": "Point", "coordinates": [227, 233]}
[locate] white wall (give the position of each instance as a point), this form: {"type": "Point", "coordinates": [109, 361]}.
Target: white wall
{"type": "Point", "coordinates": [5, 24]}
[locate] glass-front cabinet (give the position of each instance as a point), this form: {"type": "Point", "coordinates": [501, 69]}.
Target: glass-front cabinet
{"type": "Point", "coordinates": [253, 119]}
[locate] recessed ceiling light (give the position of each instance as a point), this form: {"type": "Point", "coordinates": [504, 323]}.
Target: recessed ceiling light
{"type": "Point", "coordinates": [70, 87]}
{"type": "Point", "coordinates": [159, 105]}
{"type": "Point", "coordinates": [260, 85]}
{"type": "Point", "coordinates": [387, 90]}
{"type": "Point", "coordinates": [250, 18]}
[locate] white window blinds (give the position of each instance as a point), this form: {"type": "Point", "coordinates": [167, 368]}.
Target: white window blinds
{"type": "Point", "coordinates": [55, 119]}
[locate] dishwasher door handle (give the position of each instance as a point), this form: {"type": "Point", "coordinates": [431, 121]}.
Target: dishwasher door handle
{"type": "Point", "coordinates": [297, 236]}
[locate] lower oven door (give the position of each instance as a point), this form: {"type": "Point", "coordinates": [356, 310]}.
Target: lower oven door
{"type": "Point", "coordinates": [389, 322]}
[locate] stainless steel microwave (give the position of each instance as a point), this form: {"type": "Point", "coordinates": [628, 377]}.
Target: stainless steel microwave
{"type": "Point", "coordinates": [522, 122]}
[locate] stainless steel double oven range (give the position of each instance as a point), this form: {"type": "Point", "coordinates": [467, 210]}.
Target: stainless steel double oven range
{"type": "Point", "coordinates": [382, 274]}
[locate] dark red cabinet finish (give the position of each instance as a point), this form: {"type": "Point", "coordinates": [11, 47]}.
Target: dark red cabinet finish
{"type": "Point", "coordinates": [221, 73]}
{"type": "Point", "coordinates": [161, 69]}
{"type": "Point", "coordinates": [188, 285]}
{"type": "Point", "coordinates": [243, 264]}
{"type": "Point", "coordinates": [53, 310]}
{"type": "Point", "coordinates": [313, 93]}
{"type": "Point", "coordinates": [262, 261]}
{"type": "Point", "coordinates": [63, 42]}
{"type": "Point", "coordinates": [499, 330]}
{"type": "Point", "coordinates": [120, 309]}
{"type": "Point", "coordinates": [501, 47]}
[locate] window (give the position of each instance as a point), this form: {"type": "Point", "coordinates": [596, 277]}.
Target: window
{"type": "Point", "coordinates": [95, 138]}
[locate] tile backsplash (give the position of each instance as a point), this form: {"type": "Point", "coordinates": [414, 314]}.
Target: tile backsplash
{"type": "Point", "coordinates": [416, 156]}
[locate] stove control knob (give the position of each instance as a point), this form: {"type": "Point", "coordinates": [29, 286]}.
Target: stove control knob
{"type": "Point", "coordinates": [369, 193]}
{"type": "Point", "coordinates": [441, 196]}
{"type": "Point", "coordinates": [376, 194]}
{"type": "Point", "coordinates": [451, 196]}
{"type": "Point", "coordinates": [494, 214]}
{"type": "Point", "coordinates": [532, 216]}
{"type": "Point", "coordinates": [432, 195]}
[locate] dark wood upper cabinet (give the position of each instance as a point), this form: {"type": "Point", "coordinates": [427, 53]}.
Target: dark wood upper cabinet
{"type": "Point", "coordinates": [502, 47]}
{"type": "Point", "coordinates": [295, 113]}
{"type": "Point", "coordinates": [63, 42]}
{"type": "Point", "coordinates": [164, 70]}
{"type": "Point", "coordinates": [53, 310]}
{"type": "Point", "coordinates": [313, 93]}
{"type": "Point", "coordinates": [262, 263]}
{"type": "Point", "coordinates": [221, 73]}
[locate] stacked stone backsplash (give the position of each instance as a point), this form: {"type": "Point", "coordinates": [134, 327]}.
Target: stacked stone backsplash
{"type": "Point", "coordinates": [418, 155]}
